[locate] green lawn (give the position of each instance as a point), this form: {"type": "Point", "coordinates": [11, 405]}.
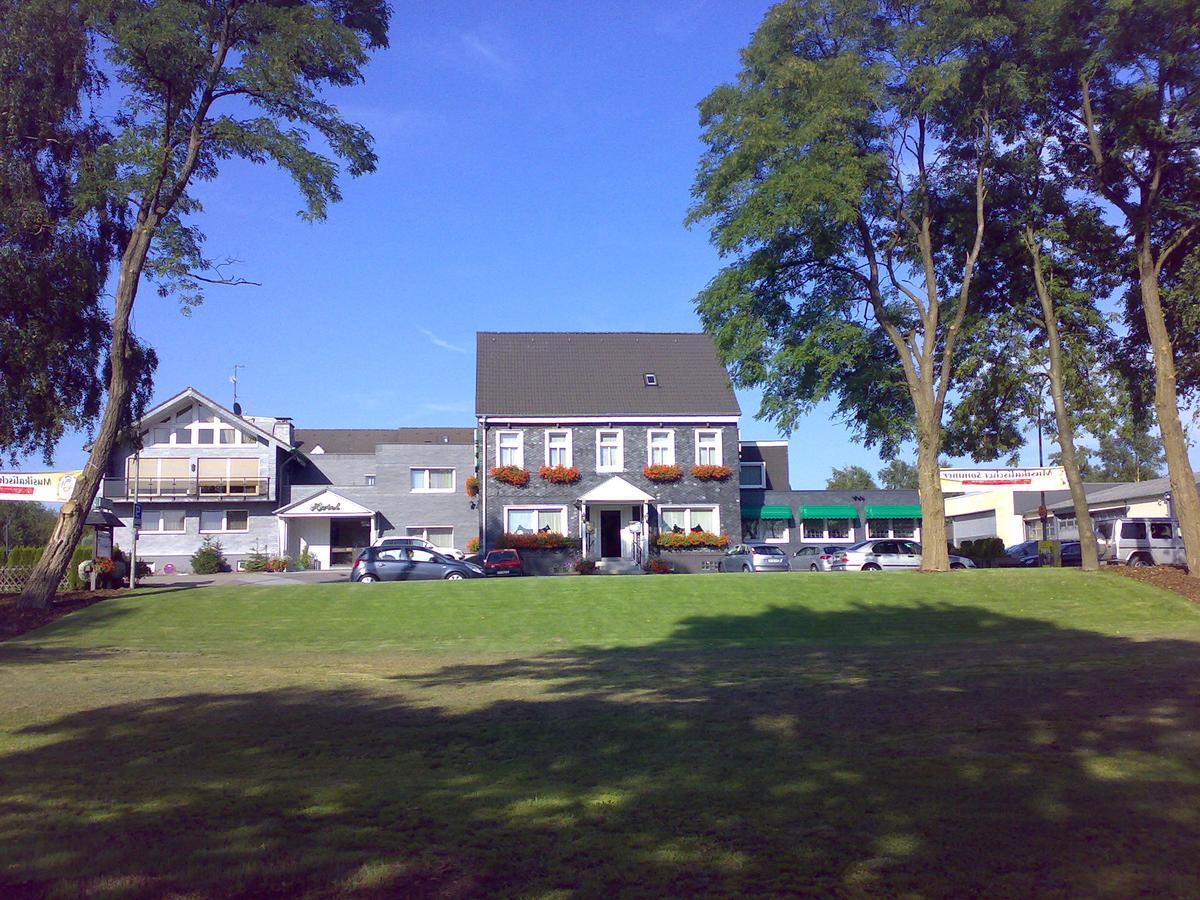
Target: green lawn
{"type": "Point", "coordinates": [998, 733]}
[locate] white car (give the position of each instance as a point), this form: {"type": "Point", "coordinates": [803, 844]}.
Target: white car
{"type": "Point", "coordinates": [886, 555]}
{"type": "Point", "coordinates": [404, 541]}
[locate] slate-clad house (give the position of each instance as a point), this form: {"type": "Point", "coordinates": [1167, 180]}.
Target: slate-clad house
{"type": "Point", "coordinates": [607, 405]}
{"type": "Point", "coordinates": [256, 482]}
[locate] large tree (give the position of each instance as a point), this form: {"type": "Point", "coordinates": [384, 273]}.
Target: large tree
{"type": "Point", "coordinates": [202, 81]}
{"type": "Point", "coordinates": [899, 475]}
{"type": "Point", "coordinates": [824, 182]}
{"type": "Point", "coordinates": [850, 478]}
{"type": "Point", "coordinates": [58, 236]}
{"type": "Point", "coordinates": [1124, 81]}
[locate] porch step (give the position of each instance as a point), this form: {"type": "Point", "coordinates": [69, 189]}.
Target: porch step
{"type": "Point", "coordinates": [617, 567]}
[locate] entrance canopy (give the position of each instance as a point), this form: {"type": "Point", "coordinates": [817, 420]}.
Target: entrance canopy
{"type": "Point", "coordinates": [327, 504]}
{"type": "Point", "coordinates": [616, 490]}
{"type": "Point", "coordinates": [829, 512]}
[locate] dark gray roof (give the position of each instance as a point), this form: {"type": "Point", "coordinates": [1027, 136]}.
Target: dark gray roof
{"type": "Point", "coordinates": [550, 374]}
{"type": "Point", "coordinates": [1120, 493]}
{"type": "Point", "coordinates": [365, 440]}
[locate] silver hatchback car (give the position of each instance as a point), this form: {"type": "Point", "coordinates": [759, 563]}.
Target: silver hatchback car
{"type": "Point", "coordinates": [887, 555]}
{"type": "Point", "coordinates": [754, 558]}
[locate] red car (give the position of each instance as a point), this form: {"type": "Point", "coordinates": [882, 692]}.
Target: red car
{"type": "Point", "coordinates": [503, 562]}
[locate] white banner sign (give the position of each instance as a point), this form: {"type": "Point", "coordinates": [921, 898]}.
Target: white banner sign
{"type": "Point", "coordinates": [1047, 478]}
{"type": "Point", "coordinates": [38, 487]}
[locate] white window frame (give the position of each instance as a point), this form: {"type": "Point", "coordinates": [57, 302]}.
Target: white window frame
{"type": "Point", "coordinates": [422, 532]}
{"type": "Point", "coordinates": [225, 529]}
{"type": "Point", "coordinates": [160, 512]}
{"type": "Point", "coordinates": [620, 464]}
{"type": "Point", "coordinates": [520, 461]}
{"type": "Point", "coordinates": [670, 446]}
{"type": "Point", "coordinates": [369, 479]}
{"type": "Point", "coordinates": [687, 519]}
{"type": "Point", "coordinates": [536, 508]}
{"type": "Point", "coordinates": [570, 446]}
{"type": "Point", "coordinates": [428, 480]}
{"type": "Point", "coordinates": [762, 478]}
{"type": "Point", "coordinates": [891, 530]}
{"type": "Point", "coordinates": [717, 445]}
{"type": "Point", "coordinates": [807, 534]}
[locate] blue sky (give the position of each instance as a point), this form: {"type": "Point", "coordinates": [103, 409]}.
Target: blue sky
{"type": "Point", "coordinates": [535, 162]}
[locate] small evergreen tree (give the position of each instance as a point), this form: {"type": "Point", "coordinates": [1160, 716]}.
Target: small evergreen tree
{"type": "Point", "coordinates": [209, 558]}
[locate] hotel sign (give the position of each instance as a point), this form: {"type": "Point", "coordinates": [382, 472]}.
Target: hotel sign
{"type": "Point", "coordinates": [1046, 478]}
{"type": "Point", "coordinates": [38, 487]}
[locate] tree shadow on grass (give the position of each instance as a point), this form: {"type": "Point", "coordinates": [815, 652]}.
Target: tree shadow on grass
{"type": "Point", "coordinates": [1016, 759]}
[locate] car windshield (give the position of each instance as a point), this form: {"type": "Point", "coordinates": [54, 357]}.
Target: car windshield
{"type": "Point", "coordinates": [767, 551]}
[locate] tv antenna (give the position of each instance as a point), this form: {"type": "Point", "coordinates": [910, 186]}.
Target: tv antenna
{"type": "Point", "coordinates": [233, 379]}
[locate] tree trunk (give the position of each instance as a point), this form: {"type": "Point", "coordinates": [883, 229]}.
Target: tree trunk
{"type": "Point", "coordinates": [44, 579]}
{"type": "Point", "coordinates": [1066, 430]}
{"type": "Point", "coordinates": [1166, 404]}
{"type": "Point", "coordinates": [935, 556]}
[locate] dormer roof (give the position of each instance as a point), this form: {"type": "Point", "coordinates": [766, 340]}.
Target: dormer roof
{"type": "Point", "coordinates": [191, 395]}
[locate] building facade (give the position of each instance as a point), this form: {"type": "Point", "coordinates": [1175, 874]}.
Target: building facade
{"type": "Point", "coordinates": [607, 438]}
{"type": "Point", "coordinates": [255, 483]}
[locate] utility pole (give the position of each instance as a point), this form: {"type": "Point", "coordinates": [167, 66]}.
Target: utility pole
{"type": "Point", "coordinates": [137, 519]}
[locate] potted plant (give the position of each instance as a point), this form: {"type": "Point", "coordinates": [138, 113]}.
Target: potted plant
{"type": "Point", "coordinates": [663, 473]}
{"type": "Point", "coordinates": [711, 473]}
{"type": "Point", "coordinates": [513, 475]}
{"type": "Point", "coordinates": [559, 474]}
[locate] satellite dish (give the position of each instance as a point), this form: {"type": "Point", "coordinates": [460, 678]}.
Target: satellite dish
{"type": "Point", "coordinates": [237, 409]}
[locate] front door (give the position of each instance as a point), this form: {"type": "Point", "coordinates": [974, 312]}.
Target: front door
{"type": "Point", "coordinates": [610, 532]}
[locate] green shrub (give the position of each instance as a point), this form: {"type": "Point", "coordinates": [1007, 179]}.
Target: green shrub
{"type": "Point", "coordinates": [304, 561]}
{"type": "Point", "coordinates": [256, 560]}
{"type": "Point", "coordinates": [586, 567]}
{"type": "Point", "coordinates": [74, 581]}
{"type": "Point", "coordinates": [209, 558]}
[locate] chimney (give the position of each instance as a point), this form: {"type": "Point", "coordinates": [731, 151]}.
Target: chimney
{"type": "Point", "coordinates": [284, 431]}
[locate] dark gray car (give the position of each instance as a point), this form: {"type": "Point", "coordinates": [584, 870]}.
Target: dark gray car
{"type": "Point", "coordinates": [754, 558]}
{"type": "Point", "coordinates": [409, 564]}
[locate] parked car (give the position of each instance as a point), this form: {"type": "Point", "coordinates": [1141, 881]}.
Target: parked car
{"type": "Point", "coordinates": [1140, 542]}
{"type": "Point", "coordinates": [887, 555]}
{"type": "Point", "coordinates": [754, 558]}
{"type": "Point", "coordinates": [1071, 555]}
{"type": "Point", "coordinates": [1022, 551]}
{"type": "Point", "coordinates": [404, 541]}
{"type": "Point", "coordinates": [817, 559]}
{"type": "Point", "coordinates": [409, 564]}
{"type": "Point", "coordinates": [503, 562]}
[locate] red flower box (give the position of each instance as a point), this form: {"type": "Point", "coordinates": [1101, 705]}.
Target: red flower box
{"type": "Point", "coordinates": [473, 486]}
{"type": "Point", "coordinates": [559, 474]}
{"type": "Point", "coordinates": [690, 540]}
{"type": "Point", "coordinates": [511, 475]}
{"type": "Point", "coordinates": [663, 473]}
{"type": "Point", "coordinates": [712, 473]}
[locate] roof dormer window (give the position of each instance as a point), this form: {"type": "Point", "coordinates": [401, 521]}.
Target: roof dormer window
{"type": "Point", "coordinates": [651, 379]}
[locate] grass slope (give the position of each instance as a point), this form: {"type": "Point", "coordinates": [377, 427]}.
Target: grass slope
{"type": "Point", "coordinates": [985, 732]}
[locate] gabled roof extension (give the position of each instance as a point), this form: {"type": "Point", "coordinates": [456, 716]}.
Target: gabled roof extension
{"type": "Point", "coordinates": [564, 374]}
{"type": "Point", "coordinates": [192, 395]}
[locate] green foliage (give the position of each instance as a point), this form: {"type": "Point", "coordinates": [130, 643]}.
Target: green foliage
{"type": "Point", "coordinates": [256, 560]}
{"type": "Point", "coordinates": [898, 475]}
{"type": "Point", "coordinates": [304, 561]}
{"type": "Point", "coordinates": [984, 551]}
{"type": "Point", "coordinates": [58, 237]}
{"type": "Point", "coordinates": [74, 580]}
{"type": "Point", "coordinates": [203, 81]}
{"type": "Point", "coordinates": [851, 478]}
{"type": "Point", "coordinates": [209, 558]}
{"type": "Point", "coordinates": [819, 183]}
{"type": "Point", "coordinates": [25, 523]}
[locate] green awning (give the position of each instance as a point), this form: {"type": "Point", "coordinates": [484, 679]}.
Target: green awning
{"type": "Point", "coordinates": [912, 511]}
{"type": "Point", "coordinates": [766, 512]}
{"type": "Point", "coordinates": [829, 512]}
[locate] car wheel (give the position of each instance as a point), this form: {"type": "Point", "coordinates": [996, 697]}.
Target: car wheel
{"type": "Point", "coordinates": [1139, 561]}
{"type": "Point", "coordinates": [745, 568]}
{"type": "Point", "coordinates": [871, 567]}
{"type": "Point", "coordinates": [814, 568]}
{"type": "Point", "coordinates": [957, 566]}
{"type": "Point", "coordinates": [367, 579]}
{"type": "Point", "coordinates": [720, 567]}
{"type": "Point", "coordinates": [454, 576]}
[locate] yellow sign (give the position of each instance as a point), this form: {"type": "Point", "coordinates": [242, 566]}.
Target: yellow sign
{"type": "Point", "coordinates": [1045, 478]}
{"type": "Point", "coordinates": [38, 487]}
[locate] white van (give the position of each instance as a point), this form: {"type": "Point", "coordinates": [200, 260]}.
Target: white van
{"type": "Point", "coordinates": [1140, 542]}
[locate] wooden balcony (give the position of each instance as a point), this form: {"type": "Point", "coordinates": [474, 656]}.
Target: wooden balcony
{"type": "Point", "coordinates": [191, 488]}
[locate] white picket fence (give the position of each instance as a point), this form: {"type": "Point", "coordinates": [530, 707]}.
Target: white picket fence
{"type": "Point", "coordinates": [13, 578]}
